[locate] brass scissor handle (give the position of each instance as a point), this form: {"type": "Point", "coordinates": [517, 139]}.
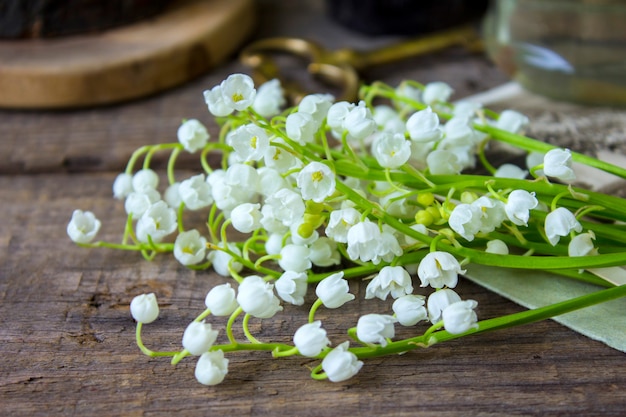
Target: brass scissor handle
{"type": "Point", "coordinates": [340, 68]}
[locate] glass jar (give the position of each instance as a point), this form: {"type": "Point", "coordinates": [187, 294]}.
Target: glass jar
{"type": "Point", "coordinates": [572, 50]}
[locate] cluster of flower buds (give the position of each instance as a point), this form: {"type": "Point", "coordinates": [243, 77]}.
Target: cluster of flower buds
{"type": "Point", "coordinates": [330, 191]}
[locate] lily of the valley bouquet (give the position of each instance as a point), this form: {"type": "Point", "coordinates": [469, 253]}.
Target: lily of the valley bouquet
{"type": "Point", "coordinates": [309, 197]}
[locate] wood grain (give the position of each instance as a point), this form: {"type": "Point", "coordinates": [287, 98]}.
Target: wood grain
{"type": "Point", "coordinates": [67, 337]}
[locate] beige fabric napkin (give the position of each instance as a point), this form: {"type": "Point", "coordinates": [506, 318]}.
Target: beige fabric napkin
{"type": "Point", "coordinates": [603, 133]}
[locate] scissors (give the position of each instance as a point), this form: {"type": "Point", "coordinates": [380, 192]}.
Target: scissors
{"type": "Point", "coordinates": [340, 68]}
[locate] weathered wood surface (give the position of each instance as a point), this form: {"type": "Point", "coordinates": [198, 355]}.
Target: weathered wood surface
{"type": "Point", "coordinates": [67, 338]}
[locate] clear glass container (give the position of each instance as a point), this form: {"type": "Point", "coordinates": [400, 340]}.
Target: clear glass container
{"type": "Point", "coordinates": [572, 50]}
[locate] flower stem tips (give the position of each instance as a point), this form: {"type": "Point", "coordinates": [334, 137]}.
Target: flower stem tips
{"type": "Point", "coordinates": [291, 202]}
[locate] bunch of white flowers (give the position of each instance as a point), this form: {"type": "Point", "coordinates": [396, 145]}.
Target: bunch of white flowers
{"type": "Point", "coordinates": [317, 195]}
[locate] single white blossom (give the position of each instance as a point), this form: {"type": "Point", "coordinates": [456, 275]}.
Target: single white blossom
{"type": "Point", "coordinates": [190, 247]}
{"type": "Point", "coordinates": [285, 206]}
{"type": "Point", "coordinates": [291, 287]}
{"type": "Point", "coordinates": [270, 181]}
{"type": "Point", "coordinates": [215, 102]}
{"type": "Point", "coordinates": [510, 171]}
{"type": "Point", "coordinates": [375, 328]}
{"type": "Point", "coordinates": [221, 300]}
{"type": "Point", "coordinates": [465, 220]}
{"type": "Point", "coordinates": [340, 364]}
{"type": "Point", "coordinates": [223, 262]}
{"type": "Point", "coordinates": [256, 297]}
{"type": "Point", "coordinates": [199, 337]}
{"type": "Point", "coordinates": [193, 135]}
{"type": "Point", "coordinates": [316, 105]}
{"type": "Point", "coordinates": [336, 115]}
{"type": "Point", "coordinates": [439, 301]}
{"type": "Point", "coordinates": [466, 108]}
{"type": "Point", "coordinates": [359, 122]}
{"type": "Point", "coordinates": [269, 98]}
{"type": "Point", "coordinates": [279, 159]}
{"type": "Point", "coordinates": [301, 127]}
{"type": "Point", "coordinates": [122, 186]}
{"type": "Point", "coordinates": [246, 217]}
{"type": "Point", "coordinates": [409, 309]}
{"type": "Point", "coordinates": [391, 150]}
{"type": "Point", "coordinates": [363, 241]}
{"type": "Point", "coordinates": [492, 213]}
{"type": "Point", "coordinates": [294, 258]}
{"type": "Point", "coordinates": [394, 280]}
{"type": "Point", "coordinates": [144, 308]}
{"type": "Point", "coordinates": [518, 206]}
{"type": "Point", "coordinates": [311, 339]}
{"type": "Point", "coordinates": [582, 245]}
{"type": "Point", "coordinates": [560, 222]}
{"type": "Point", "coordinates": [557, 163]}
{"type": "Point", "coordinates": [323, 252]}
{"type": "Point", "coordinates": [333, 291]}
{"type": "Point", "coordinates": [442, 162]}
{"type": "Point", "coordinates": [144, 180]}
{"type": "Point", "coordinates": [436, 92]}
{"type": "Point", "coordinates": [512, 121]}
{"type": "Point", "coordinates": [136, 204]}
{"type": "Point", "coordinates": [195, 192]}
{"type": "Point", "coordinates": [388, 119]}
{"type": "Point", "coordinates": [497, 246]}
{"type": "Point", "coordinates": [249, 141]}
{"type": "Point", "coordinates": [439, 269]}
{"type": "Point", "coordinates": [274, 243]}
{"type": "Point", "coordinates": [172, 195]}
{"type": "Point", "coordinates": [460, 317]}
{"type": "Point", "coordinates": [238, 91]}
{"type": "Point", "coordinates": [316, 182]}
{"type": "Point", "coordinates": [423, 126]}
{"type": "Point", "coordinates": [211, 368]}
{"type": "Point", "coordinates": [340, 222]}
{"type": "Point", "coordinates": [157, 222]}
{"type": "Point", "coordinates": [83, 226]}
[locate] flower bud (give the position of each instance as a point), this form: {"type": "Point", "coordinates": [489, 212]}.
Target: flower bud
{"type": "Point", "coordinates": [144, 308]}
{"type": "Point", "coordinates": [334, 291]}
{"type": "Point", "coordinates": [211, 368]}
{"type": "Point", "coordinates": [221, 300]}
{"type": "Point", "coordinates": [341, 364]}
{"type": "Point", "coordinates": [311, 339]}
{"type": "Point", "coordinates": [375, 328]}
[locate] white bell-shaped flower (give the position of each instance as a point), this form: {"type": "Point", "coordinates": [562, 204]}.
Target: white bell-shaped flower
{"type": "Point", "coordinates": [376, 328]}
{"type": "Point", "coordinates": [336, 115]}
{"type": "Point", "coordinates": [334, 291]}
{"type": "Point", "coordinates": [512, 121]}
{"type": "Point", "coordinates": [157, 222]}
{"type": "Point", "coordinates": [496, 246]}
{"type": "Point", "coordinates": [215, 102]}
{"type": "Point", "coordinates": [323, 252]}
{"type": "Point", "coordinates": [439, 301]}
{"type": "Point", "coordinates": [388, 119]}
{"type": "Point", "coordinates": [316, 182]}
{"type": "Point", "coordinates": [510, 171]}
{"type": "Point", "coordinates": [144, 180]}
{"type": "Point", "coordinates": [279, 159]}
{"type": "Point", "coordinates": [256, 297]}
{"type": "Point", "coordinates": [359, 122]}
{"type": "Point", "coordinates": [301, 127]}
{"type": "Point", "coordinates": [492, 213]}
{"type": "Point", "coordinates": [285, 206]}
{"type": "Point", "coordinates": [193, 135]}
{"type": "Point", "coordinates": [249, 141]}
{"type": "Point", "coordinates": [144, 308]}
{"type": "Point", "coordinates": [221, 300]}
{"type": "Point", "coordinates": [518, 206]}
{"type": "Point", "coordinates": [439, 269]}
{"type": "Point", "coordinates": [340, 364]}
{"type": "Point", "coordinates": [557, 163]}
{"type": "Point", "coordinates": [409, 309]}
{"type": "Point", "coordinates": [83, 226]}
{"type": "Point", "coordinates": [270, 181]}
{"type": "Point", "coordinates": [582, 245]}
{"type": "Point", "coordinates": [294, 258]}
{"type": "Point", "coordinates": [246, 217]}
{"type": "Point", "coordinates": [223, 262]}
{"type": "Point", "coordinates": [269, 98]}
{"type": "Point", "coordinates": [560, 222]}
{"type": "Point", "coordinates": [391, 150]}
{"type": "Point", "coordinates": [122, 186]}
{"type": "Point", "coordinates": [340, 222]}
{"type": "Point", "coordinates": [291, 287]}
{"type": "Point", "coordinates": [190, 247]}
{"type": "Point", "coordinates": [136, 204]}
{"type": "Point", "coordinates": [466, 108]}
{"type": "Point", "coordinates": [436, 92]}
{"type": "Point", "coordinates": [211, 368]}
{"type": "Point", "coordinates": [274, 243]}
{"type": "Point", "coordinates": [195, 192]}
{"type": "Point", "coordinates": [199, 337]}
{"type": "Point", "coordinates": [311, 339]}
{"type": "Point", "coordinates": [423, 126]}
{"type": "Point", "coordinates": [465, 220]}
{"type": "Point", "coordinates": [363, 241]}
{"type": "Point", "coordinates": [460, 317]}
{"type": "Point", "coordinates": [388, 246]}
{"type": "Point", "coordinates": [238, 91]}
{"type": "Point", "coordinates": [316, 105]}
{"type": "Point", "coordinates": [442, 162]}
{"type": "Point", "coordinates": [394, 280]}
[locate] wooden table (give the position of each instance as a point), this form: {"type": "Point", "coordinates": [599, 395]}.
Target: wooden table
{"type": "Point", "coordinates": [68, 338]}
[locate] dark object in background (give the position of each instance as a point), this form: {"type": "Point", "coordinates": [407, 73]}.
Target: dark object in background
{"type": "Point", "coordinates": [404, 17]}
{"type": "Point", "coordinates": [50, 18]}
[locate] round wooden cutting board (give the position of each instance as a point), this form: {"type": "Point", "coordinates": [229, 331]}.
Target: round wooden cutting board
{"type": "Point", "coordinates": [124, 63]}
